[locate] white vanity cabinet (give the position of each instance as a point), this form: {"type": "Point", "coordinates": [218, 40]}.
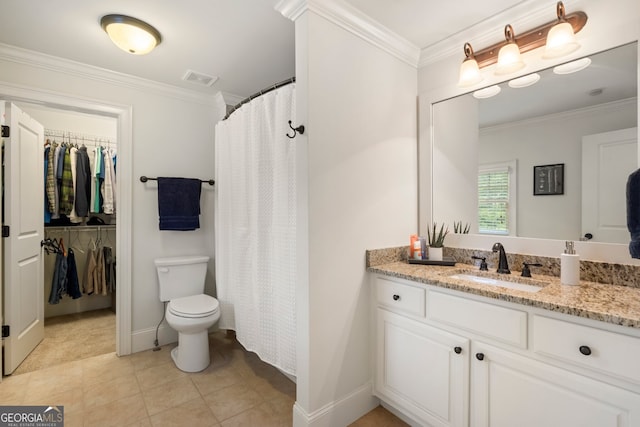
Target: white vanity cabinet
{"type": "Point", "coordinates": [422, 369]}
{"type": "Point", "coordinates": [445, 358]}
{"type": "Point", "coordinates": [510, 390]}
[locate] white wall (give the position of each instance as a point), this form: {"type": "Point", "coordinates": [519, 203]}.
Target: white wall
{"type": "Point", "coordinates": [172, 135]}
{"type": "Point", "coordinates": [359, 163]}
{"type": "Point", "coordinates": [437, 80]}
{"type": "Point", "coordinates": [550, 140]}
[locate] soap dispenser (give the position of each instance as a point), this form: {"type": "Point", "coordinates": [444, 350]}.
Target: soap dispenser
{"type": "Point", "coordinates": [569, 265]}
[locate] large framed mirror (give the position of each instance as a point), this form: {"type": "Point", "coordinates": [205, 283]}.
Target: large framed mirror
{"type": "Point", "coordinates": [585, 121]}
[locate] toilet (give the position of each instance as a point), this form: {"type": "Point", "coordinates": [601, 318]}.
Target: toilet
{"type": "Point", "coordinates": [189, 311]}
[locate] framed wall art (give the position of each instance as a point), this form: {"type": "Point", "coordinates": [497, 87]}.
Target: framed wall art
{"type": "Point", "coordinates": [548, 180]}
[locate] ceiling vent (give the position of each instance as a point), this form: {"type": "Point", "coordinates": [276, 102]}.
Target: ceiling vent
{"type": "Point", "coordinates": [199, 78]}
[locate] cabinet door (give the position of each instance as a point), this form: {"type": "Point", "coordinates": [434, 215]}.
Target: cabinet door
{"type": "Point", "coordinates": [511, 390]}
{"type": "Point", "coordinates": [422, 370]}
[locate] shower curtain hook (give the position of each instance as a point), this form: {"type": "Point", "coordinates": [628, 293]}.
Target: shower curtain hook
{"type": "Point", "coordinates": [299, 129]}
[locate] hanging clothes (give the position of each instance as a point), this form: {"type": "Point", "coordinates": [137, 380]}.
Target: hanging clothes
{"type": "Point", "coordinates": [73, 216]}
{"type": "Point", "coordinates": [109, 269]}
{"type": "Point", "coordinates": [47, 212]}
{"type": "Point", "coordinates": [88, 282]}
{"type": "Point", "coordinates": [108, 187]}
{"type": "Point", "coordinates": [73, 285]}
{"type": "Point", "coordinates": [66, 184]}
{"type": "Point", "coordinates": [97, 172]}
{"type": "Point", "coordinates": [50, 183]}
{"type": "Point", "coordinates": [83, 183]}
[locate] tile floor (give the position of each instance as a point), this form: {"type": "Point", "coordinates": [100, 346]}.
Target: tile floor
{"type": "Point", "coordinates": [72, 337]}
{"type": "Point", "coordinates": [146, 389]}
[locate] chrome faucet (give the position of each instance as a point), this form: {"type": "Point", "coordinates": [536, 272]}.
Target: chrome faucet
{"type": "Point", "coordinates": [503, 265]}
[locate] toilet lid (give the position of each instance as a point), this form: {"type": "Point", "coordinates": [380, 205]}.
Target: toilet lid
{"type": "Point", "coordinates": [194, 306]}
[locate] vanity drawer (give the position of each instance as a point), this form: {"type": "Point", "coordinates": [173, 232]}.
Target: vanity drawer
{"type": "Point", "coordinates": [604, 351]}
{"type": "Point", "coordinates": [404, 298]}
{"type": "Point", "coordinates": [498, 323]}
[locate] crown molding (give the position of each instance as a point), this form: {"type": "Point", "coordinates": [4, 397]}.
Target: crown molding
{"type": "Point", "coordinates": [353, 20]}
{"type": "Point", "coordinates": [562, 116]}
{"type": "Point", "coordinates": [77, 69]}
{"type": "Point", "coordinates": [523, 17]}
{"type": "Point", "coordinates": [231, 98]}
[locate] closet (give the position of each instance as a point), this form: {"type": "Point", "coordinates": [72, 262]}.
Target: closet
{"type": "Point", "coordinates": [79, 249]}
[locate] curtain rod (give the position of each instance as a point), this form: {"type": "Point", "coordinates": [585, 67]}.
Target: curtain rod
{"type": "Point", "coordinates": [260, 93]}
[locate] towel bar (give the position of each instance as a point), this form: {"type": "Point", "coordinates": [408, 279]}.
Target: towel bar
{"type": "Point", "coordinates": [146, 178]}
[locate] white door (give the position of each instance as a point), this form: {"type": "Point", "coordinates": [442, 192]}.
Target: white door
{"type": "Point", "coordinates": [510, 390]}
{"type": "Point", "coordinates": [23, 305]}
{"type": "Point", "coordinates": [607, 160]}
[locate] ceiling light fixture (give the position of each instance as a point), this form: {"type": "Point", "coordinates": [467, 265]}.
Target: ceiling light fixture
{"type": "Point", "coordinates": [469, 70]}
{"type": "Point", "coordinates": [531, 39]}
{"type": "Point", "coordinates": [561, 39]}
{"type": "Point", "coordinates": [573, 66]}
{"type": "Point", "coordinates": [487, 92]}
{"type": "Point", "coordinates": [130, 34]}
{"type": "Point", "coordinates": [524, 81]}
{"type": "Point", "coordinates": [509, 58]}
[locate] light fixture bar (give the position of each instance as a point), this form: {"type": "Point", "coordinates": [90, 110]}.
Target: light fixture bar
{"type": "Point", "coordinates": [530, 40]}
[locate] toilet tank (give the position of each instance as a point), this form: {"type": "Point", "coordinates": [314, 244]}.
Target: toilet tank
{"type": "Point", "coordinates": [181, 276]}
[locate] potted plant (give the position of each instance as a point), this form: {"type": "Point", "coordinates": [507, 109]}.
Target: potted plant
{"type": "Point", "coordinates": [435, 239]}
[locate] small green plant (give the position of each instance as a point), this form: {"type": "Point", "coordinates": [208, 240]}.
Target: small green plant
{"type": "Point", "coordinates": [435, 237]}
{"type": "Point", "coordinates": [458, 229]}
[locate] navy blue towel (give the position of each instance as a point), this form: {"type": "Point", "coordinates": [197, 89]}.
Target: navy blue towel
{"type": "Point", "coordinates": [179, 203]}
{"type": "Point", "coordinates": [633, 213]}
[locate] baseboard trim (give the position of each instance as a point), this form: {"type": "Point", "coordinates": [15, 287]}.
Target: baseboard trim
{"type": "Point", "coordinates": [340, 412]}
{"type": "Point", "coordinates": [143, 339]}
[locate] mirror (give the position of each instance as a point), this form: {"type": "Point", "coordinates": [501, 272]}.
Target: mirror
{"type": "Point", "coordinates": [560, 120]}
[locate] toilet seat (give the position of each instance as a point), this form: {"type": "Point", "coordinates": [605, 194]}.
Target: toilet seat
{"type": "Point", "coordinates": [193, 306]}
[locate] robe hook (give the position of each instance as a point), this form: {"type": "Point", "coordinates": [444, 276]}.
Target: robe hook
{"type": "Point", "coordinates": [299, 129]}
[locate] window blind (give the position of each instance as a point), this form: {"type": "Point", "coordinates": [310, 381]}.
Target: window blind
{"type": "Point", "coordinates": [493, 201]}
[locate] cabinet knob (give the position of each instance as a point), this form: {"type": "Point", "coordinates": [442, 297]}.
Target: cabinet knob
{"type": "Point", "coordinates": [396, 297]}
{"type": "Point", "coordinates": [480, 356]}
{"type": "Point", "coordinates": [584, 349]}
{"type": "Point", "coordinates": [458, 350]}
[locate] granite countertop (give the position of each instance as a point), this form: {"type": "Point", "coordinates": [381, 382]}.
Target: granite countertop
{"type": "Point", "coordinates": [615, 304]}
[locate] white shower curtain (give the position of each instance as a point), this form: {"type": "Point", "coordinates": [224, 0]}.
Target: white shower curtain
{"type": "Point", "coordinates": [256, 226]}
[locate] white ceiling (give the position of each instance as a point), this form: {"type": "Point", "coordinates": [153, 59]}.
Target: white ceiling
{"type": "Point", "coordinates": [247, 44]}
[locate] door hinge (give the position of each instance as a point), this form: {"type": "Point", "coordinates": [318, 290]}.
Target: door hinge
{"type": "Point", "coordinates": [5, 231]}
{"type": "Point", "coordinates": [5, 131]}
{"type": "Point", "coordinates": [5, 331]}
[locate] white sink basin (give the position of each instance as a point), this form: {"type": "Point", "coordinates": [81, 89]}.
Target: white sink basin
{"type": "Point", "coordinates": [497, 282]}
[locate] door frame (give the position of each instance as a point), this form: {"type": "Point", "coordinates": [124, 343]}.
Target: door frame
{"type": "Point", "coordinates": [123, 115]}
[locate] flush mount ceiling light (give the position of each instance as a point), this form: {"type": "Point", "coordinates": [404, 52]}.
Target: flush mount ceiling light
{"type": "Point", "coordinates": [561, 39]}
{"type": "Point", "coordinates": [487, 92]}
{"type": "Point", "coordinates": [524, 81]}
{"type": "Point", "coordinates": [573, 66]}
{"type": "Point", "coordinates": [469, 70]}
{"type": "Point", "coordinates": [509, 58]}
{"type": "Point", "coordinates": [531, 39]}
{"type": "Point", "coordinates": [130, 34]}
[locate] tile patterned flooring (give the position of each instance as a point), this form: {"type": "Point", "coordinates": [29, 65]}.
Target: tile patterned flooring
{"type": "Point", "coordinates": [146, 389]}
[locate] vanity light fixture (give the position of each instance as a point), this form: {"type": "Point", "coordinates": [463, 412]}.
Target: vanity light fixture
{"type": "Point", "coordinates": [531, 39]}
{"type": "Point", "coordinates": [573, 66]}
{"type": "Point", "coordinates": [487, 92]}
{"type": "Point", "coordinates": [561, 39]}
{"type": "Point", "coordinates": [469, 70]}
{"type": "Point", "coordinates": [524, 81]}
{"type": "Point", "coordinates": [509, 58]}
{"type": "Point", "coordinates": [130, 34]}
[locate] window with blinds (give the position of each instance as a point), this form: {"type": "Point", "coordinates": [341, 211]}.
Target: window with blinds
{"type": "Point", "coordinates": [496, 199]}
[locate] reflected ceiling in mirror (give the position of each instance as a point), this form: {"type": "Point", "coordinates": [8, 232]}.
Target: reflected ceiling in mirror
{"type": "Point", "coordinates": [540, 124]}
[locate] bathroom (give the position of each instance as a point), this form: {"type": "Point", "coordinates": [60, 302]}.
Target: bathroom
{"type": "Point", "coordinates": [362, 177]}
